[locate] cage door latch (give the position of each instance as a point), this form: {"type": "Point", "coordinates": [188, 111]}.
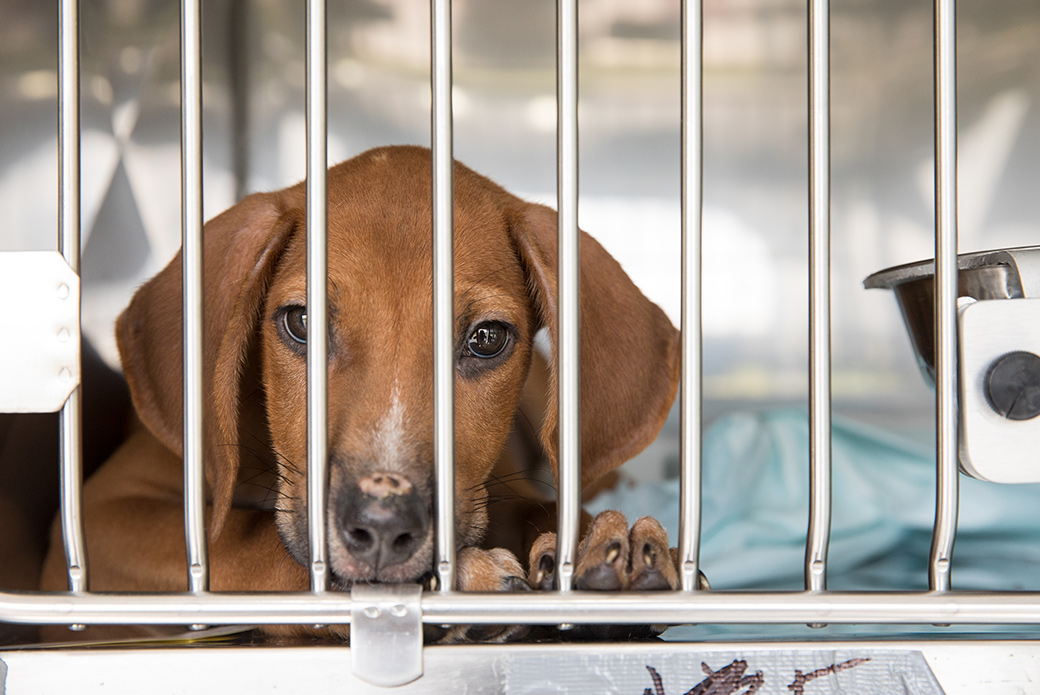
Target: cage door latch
{"type": "Point", "coordinates": [386, 635]}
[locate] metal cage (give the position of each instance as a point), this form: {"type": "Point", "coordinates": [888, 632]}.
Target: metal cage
{"type": "Point", "coordinates": [389, 653]}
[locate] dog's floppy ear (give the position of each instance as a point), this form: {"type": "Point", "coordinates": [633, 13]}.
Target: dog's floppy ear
{"type": "Point", "coordinates": [629, 348]}
{"type": "Point", "coordinates": [240, 247]}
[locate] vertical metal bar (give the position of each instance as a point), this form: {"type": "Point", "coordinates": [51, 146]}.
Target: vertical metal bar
{"type": "Point", "coordinates": [569, 489]}
{"type": "Point", "coordinates": [69, 244]}
{"type": "Point", "coordinates": [191, 257]}
{"type": "Point", "coordinates": [946, 502]}
{"type": "Point", "coordinates": [692, 336]}
{"type": "Point", "coordinates": [317, 290]}
{"type": "Point", "coordinates": [443, 290]}
{"type": "Point", "coordinates": [819, 299]}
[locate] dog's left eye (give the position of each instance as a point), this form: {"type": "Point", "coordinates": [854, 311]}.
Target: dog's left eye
{"type": "Point", "coordinates": [294, 321]}
{"type": "Point", "coordinates": [488, 339]}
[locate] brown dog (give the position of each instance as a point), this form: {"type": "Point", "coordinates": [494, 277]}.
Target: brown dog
{"type": "Point", "coordinates": [380, 402]}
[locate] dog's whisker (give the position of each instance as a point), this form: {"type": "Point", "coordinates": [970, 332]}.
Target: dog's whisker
{"type": "Point", "coordinates": [279, 456]}
{"type": "Point", "coordinates": [256, 453]}
{"type": "Point", "coordinates": [495, 499]}
{"type": "Point", "coordinates": [526, 420]}
{"type": "Point", "coordinates": [257, 473]}
{"type": "Point", "coordinates": [271, 490]}
{"type": "Point", "coordinates": [269, 453]}
{"type": "Point", "coordinates": [517, 476]}
{"type": "Point", "coordinates": [504, 478]}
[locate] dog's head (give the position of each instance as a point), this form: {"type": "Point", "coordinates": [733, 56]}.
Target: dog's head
{"type": "Point", "coordinates": [380, 354]}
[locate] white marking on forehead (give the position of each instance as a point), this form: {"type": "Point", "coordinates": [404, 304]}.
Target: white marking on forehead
{"type": "Point", "coordinates": [390, 445]}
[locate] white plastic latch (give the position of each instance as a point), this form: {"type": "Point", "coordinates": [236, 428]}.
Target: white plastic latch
{"type": "Point", "coordinates": [40, 348]}
{"type": "Point", "coordinates": [1000, 390]}
{"type": "Point", "coordinates": [386, 636]}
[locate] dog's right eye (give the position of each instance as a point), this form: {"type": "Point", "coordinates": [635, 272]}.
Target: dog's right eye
{"type": "Point", "coordinates": [294, 323]}
{"type": "Point", "coordinates": [488, 340]}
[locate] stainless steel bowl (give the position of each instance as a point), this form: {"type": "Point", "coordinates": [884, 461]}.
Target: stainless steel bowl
{"type": "Point", "coordinates": [986, 275]}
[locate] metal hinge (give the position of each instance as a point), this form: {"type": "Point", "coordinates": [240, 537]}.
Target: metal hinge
{"type": "Point", "coordinates": [386, 635]}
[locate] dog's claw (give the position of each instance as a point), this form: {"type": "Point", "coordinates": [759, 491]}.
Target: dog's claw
{"type": "Point", "coordinates": [603, 554]}
{"type": "Point", "coordinates": [612, 557]}
{"type": "Point", "coordinates": [543, 562]}
{"type": "Point", "coordinates": [657, 571]}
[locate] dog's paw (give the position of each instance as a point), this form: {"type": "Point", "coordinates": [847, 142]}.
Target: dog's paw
{"type": "Point", "coordinates": [487, 570]}
{"type": "Point", "coordinates": [612, 557]}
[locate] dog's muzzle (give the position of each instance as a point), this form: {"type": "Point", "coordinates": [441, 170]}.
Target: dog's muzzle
{"type": "Point", "coordinates": [382, 521]}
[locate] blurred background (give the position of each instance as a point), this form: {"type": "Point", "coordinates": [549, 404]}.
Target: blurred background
{"type": "Point", "coordinates": [755, 153]}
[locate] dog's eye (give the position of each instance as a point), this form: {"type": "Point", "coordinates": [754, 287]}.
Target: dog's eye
{"type": "Point", "coordinates": [488, 339]}
{"type": "Point", "coordinates": [294, 320]}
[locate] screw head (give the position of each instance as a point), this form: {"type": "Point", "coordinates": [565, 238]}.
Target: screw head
{"type": "Point", "coordinates": [1012, 385]}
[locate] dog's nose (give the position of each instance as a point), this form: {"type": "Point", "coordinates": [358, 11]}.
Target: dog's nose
{"type": "Point", "coordinates": [383, 520]}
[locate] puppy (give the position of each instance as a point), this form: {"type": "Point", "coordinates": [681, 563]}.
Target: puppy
{"type": "Point", "coordinates": [380, 500]}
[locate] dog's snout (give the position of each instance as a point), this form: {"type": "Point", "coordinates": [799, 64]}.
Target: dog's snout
{"type": "Point", "coordinates": [383, 520]}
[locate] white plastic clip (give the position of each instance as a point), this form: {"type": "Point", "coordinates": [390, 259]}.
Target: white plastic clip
{"type": "Point", "coordinates": [40, 351]}
{"type": "Point", "coordinates": [386, 635]}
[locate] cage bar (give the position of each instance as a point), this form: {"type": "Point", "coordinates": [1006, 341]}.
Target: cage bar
{"type": "Point", "coordinates": [818, 536]}
{"type": "Point", "coordinates": [569, 461]}
{"type": "Point", "coordinates": [691, 394]}
{"type": "Point", "coordinates": [70, 419]}
{"type": "Point", "coordinates": [191, 259]}
{"type": "Point", "coordinates": [541, 608]}
{"type": "Point", "coordinates": [71, 477]}
{"type": "Point", "coordinates": [443, 290]}
{"type": "Point", "coordinates": [947, 484]}
{"type": "Point", "coordinates": [317, 291]}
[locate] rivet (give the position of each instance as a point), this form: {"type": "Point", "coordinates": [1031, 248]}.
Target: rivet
{"type": "Point", "coordinates": [64, 375]}
{"type": "Point", "coordinates": [63, 291]}
{"type": "Point", "coordinates": [372, 612]}
{"type": "Point", "coordinates": [398, 610]}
